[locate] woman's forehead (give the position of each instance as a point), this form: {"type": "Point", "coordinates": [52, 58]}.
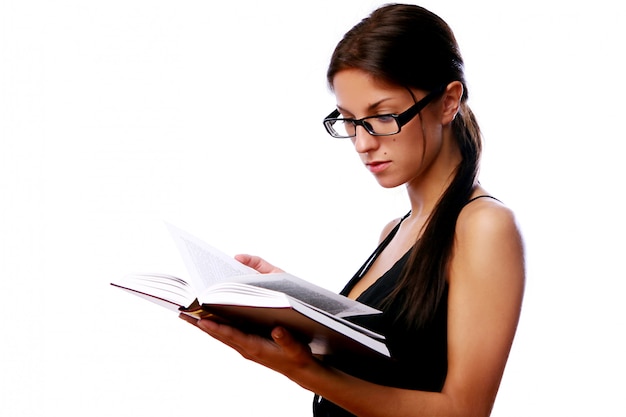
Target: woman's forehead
{"type": "Point", "coordinates": [358, 90]}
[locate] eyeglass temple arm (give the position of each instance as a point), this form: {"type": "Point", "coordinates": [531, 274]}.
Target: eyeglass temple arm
{"type": "Point", "coordinates": [333, 115]}
{"type": "Point", "coordinates": [409, 114]}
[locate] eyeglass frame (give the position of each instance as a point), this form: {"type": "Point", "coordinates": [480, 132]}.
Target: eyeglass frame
{"type": "Point", "coordinates": [400, 119]}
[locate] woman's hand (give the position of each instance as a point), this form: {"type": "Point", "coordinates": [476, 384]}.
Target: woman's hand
{"type": "Point", "coordinates": [258, 264]}
{"type": "Point", "coordinates": [283, 353]}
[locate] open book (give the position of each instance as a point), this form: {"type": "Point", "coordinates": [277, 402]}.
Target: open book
{"type": "Point", "coordinates": [223, 289]}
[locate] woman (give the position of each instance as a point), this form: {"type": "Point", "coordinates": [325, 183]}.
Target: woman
{"type": "Point", "coordinates": [449, 275]}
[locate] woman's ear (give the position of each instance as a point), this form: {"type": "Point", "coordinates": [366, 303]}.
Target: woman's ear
{"type": "Point", "coordinates": [451, 101]}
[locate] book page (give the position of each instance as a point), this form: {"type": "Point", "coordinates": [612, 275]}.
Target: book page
{"type": "Point", "coordinates": [206, 264]}
{"type": "Point", "coordinates": [162, 289]}
{"type": "Point", "coordinates": [308, 293]}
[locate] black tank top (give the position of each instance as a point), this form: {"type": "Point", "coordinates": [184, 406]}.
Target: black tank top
{"type": "Point", "coordinates": [419, 355]}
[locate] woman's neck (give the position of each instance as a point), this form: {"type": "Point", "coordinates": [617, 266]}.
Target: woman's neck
{"type": "Point", "coordinates": [425, 190]}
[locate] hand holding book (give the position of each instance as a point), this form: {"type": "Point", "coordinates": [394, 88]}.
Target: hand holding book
{"type": "Point", "coordinates": [280, 352]}
{"type": "Point", "coordinates": [233, 292]}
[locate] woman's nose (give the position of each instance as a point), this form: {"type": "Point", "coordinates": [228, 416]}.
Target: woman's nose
{"type": "Point", "coordinates": [364, 141]}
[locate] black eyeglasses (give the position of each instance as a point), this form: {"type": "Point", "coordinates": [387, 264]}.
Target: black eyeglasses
{"type": "Point", "coordinates": [381, 125]}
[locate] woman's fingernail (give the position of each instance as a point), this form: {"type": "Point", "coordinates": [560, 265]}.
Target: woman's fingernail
{"type": "Point", "coordinates": [278, 333]}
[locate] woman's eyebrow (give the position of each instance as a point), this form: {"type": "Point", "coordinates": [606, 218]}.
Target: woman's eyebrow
{"type": "Point", "coordinates": [370, 107]}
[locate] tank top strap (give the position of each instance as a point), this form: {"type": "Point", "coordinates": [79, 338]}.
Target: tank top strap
{"type": "Point", "coordinates": [481, 196]}
{"type": "Point", "coordinates": [380, 247]}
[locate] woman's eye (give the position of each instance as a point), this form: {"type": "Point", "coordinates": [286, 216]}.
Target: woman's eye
{"type": "Point", "coordinates": [385, 118]}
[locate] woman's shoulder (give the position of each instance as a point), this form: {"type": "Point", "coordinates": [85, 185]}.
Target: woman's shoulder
{"type": "Point", "coordinates": [484, 214]}
{"type": "Point", "coordinates": [487, 232]}
{"type": "Point", "coordinates": [488, 249]}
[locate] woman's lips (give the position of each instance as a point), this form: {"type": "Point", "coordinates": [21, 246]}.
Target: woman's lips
{"type": "Point", "coordinates": [377, 166]}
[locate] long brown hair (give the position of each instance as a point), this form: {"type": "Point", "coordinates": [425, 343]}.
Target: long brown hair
{"type": "Point", "coordinates": [409, 46]}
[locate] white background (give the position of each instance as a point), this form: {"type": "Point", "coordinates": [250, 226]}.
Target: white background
{"type": "Point", "coordinates": [118, 115]}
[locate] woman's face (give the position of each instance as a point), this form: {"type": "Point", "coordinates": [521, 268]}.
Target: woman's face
{"type": "Point", "coordinates": [402, 158]}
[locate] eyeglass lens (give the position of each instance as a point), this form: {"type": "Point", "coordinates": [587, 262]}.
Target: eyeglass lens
{"type": "Point", "coordinates": [378, 125]}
